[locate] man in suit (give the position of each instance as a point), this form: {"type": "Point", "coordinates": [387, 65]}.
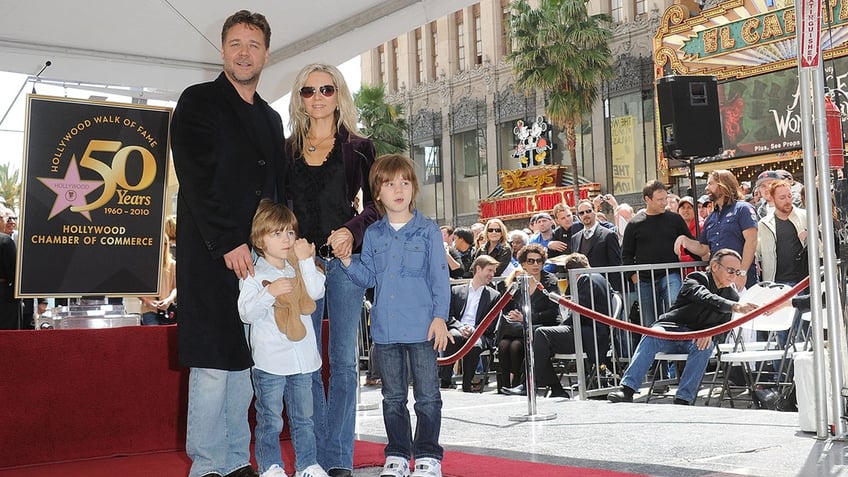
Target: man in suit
{"type": "Point", "coordinates": [469, 304]}
{"type": "Point", "coordinates": [593, 291]}
{"type": "Point", "coordinates": [599, 244]}
{"type": "Point", "coordinates": [226, 142]}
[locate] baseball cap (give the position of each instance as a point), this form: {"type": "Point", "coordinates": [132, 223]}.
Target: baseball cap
{"type": "Point", "coordinates": [704, 199]}
{"type": "Point", "coordinates": [688, 199]}
{"type": "Point", "coordinates": [767, 176]}
{"type": "Point", "coordinates": [784, 174]}
{"type": "Point", "coordinates": [42, 300]}
{"type": "Point", "coordinates": [542, 215]}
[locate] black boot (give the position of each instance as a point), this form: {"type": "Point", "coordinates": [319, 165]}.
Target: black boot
{"type": "Point", "coordinates": [624, 395]}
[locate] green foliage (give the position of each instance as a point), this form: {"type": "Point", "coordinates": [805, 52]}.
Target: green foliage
{"type": "Point", "coordinates": [562, 50]}
{"type": "Point", "coordinates": [10, 186]}
{"type": "Point", "coordinates": [382, 122]}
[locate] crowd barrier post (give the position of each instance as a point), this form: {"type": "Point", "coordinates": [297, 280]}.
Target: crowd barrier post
{"type": "Point", "coordinates": [529, 359]}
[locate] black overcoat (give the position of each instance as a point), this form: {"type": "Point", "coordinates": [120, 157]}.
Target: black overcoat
{"type": "Point", "coordinates": [225, 164]}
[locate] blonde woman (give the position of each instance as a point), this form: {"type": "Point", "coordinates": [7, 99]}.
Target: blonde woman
{"type": "Point", "coordinates": [151, 306]}
{"type": "Point", "coordinates": [326, 164]}
{"type": "Point", "coordinates": [496, 245]}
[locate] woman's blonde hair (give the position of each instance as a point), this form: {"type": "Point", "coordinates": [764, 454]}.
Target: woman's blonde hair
{"type": "Point", "coordinates": [346, 114]}
{"type": "Point", "coordinates": [504, 231]}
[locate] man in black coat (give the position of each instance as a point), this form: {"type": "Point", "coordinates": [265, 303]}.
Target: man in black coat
{"type": "Point", "coordinates": [599, 244]}
{"type": "Point", "coordinates": [226, 142]}
{"type": "Point", "coordinates": [469, 304]}
{"type": "Point", "coordinates": [706, 300]}
{"type": "Point", "coordinates": [593, 291]}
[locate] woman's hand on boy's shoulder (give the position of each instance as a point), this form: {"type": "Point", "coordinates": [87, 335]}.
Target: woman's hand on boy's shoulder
{"type": "Point", "coordinates": [303, 249]}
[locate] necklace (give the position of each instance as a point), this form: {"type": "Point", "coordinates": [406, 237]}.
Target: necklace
{"type": "Point", "coordinates": [312, 146]}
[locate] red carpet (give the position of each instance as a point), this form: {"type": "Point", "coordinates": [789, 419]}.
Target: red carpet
{"type": "Point", "coordinates": [367, 454]}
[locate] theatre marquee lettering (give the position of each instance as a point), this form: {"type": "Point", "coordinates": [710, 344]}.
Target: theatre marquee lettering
{"type": "Point", "coordinates": [94, 194]}
{"type": "Point", "coordinates": [754, 31]}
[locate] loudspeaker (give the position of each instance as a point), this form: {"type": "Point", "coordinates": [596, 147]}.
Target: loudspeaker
{"type": "Point", "coordinates": [690, 121]}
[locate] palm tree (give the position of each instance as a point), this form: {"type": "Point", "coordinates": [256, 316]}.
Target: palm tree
{"type": "Point", "coordinates": [381, 121]}
{"type": "Point", "coordinates": [10, 186]}
{"type": "Point", "coordinates": [563, 51]}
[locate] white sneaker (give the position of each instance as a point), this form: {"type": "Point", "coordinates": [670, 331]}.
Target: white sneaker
{"type": "Point", "coordinates": [274, 471]}
{"type": "Point", "coordinates": [395, 467]}
{"type": "Point", "coordinates": [427, 467]}
{"type": "Point", "coordinates": [314, 470]}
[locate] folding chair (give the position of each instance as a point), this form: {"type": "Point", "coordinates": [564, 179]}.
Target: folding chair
{"type": "Point", "coordinates": [752, 357]}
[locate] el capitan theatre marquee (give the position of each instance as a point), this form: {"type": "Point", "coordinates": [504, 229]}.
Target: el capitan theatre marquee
{"type": "Point", "coordinates": [93, 198]}
{"type": "Point", "coordinates": [750, 46]}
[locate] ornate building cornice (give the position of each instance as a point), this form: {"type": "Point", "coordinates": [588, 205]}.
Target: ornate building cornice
{"type": "Point", "coordinates": [425, 124]}
{"type": "Point", "coordinates": [510, 103]}
{"type": "Point", "coordinates": [467, 113]}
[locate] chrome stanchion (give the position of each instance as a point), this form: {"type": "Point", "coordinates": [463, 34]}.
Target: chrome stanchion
{"type": "Point", "coordinates": [360, 406]}
{"type": "Point", "coordinates": [529, 360]}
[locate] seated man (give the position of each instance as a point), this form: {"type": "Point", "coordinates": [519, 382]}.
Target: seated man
{"type": "Point", "coordinates": [593, 291]}
{"type": "Point", "coordinates": [706, 299]}
{"type": "Point", "coordinates": [469, 304]}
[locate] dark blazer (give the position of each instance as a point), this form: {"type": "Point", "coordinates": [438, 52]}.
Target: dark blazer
{"type": "Point", "coordinates": [459, 296]}
{"type": "Point", "coordinates": [502, 253]}
{"type": "Point", "coordinates": [545, 312]}
{"type": "Point", "coordinates": [701, 304]}
{"type": "Point", "coordinates": [604, 251]}
{"type": "Point", "coordinates": [225, 164]}
{"type": "Point", "coordinates": [358, 156]}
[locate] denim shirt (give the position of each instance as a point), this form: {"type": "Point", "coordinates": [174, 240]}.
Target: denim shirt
{"type": "Point", "coordinates": [723, 229]}
{"type": "Point", "coordinates": [410, 272]}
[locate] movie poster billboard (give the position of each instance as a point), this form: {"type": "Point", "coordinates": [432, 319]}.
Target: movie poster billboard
{"type": "Point", "coordinates": [761, 114]}
{"type": "Point", "coordinates": [93, 198]}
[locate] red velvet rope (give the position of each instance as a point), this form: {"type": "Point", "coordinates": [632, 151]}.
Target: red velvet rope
{"type": "Point", "coordinates": [481, 328]}
{"type": "Point", "coordinates": [672, 335]}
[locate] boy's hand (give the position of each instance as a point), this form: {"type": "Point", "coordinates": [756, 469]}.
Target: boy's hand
{"type": "Point", "coordinates": [345, 261]}
{"type": "Point", "coordinates": [438, 332]}
{"type": "Point", "coordinates": [280, 286]}
{"type": "Point", "coordinates": [303, 249]}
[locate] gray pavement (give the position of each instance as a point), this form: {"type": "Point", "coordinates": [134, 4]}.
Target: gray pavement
{"type": "Point", "coordinates": [657, 439]}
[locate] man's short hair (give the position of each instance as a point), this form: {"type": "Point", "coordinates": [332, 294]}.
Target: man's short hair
{"type": "Point", "coordinates": [576, 260]}
{"type": "Point", "coordinates": [465, 234]}
{"type": "Point", "coordinates": [651, 187]}
{"type": "Point", "coordinates": [483, 261]}
{"type": "Point", "coordinates": [721, 253]}
{"type": "Point", "coordinates": [779, 183]}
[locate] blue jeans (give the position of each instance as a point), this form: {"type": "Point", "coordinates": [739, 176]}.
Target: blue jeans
{"type": "Point", "coordinates": [693, 372]}
{"type": "Point", "coordinates": [334, 414]}
{"type": "Point", "coordinates": [150, 318]}
{"type": "Point", "coordinates": [657, 296]}
{"type": "Point", "coordinates": [392, 359]}
{"type": "Point", "coordinates": [270, 390]}
{"type": "Point", "coordinates": [217, 431]}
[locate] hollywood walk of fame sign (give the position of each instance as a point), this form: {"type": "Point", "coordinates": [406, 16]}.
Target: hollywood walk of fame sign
{"type": "Point", "coordinates": [93, 198]}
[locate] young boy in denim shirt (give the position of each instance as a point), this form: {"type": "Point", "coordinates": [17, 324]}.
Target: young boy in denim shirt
{"type": "Point", "coordinates": [276, 303]}
{"type": "Point", "coordinates": [403, 256]}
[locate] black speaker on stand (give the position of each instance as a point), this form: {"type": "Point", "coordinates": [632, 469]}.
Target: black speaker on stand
{"type": "Point", "coordinates": [690, 120]}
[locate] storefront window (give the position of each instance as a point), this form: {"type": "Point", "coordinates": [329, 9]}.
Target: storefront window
{"type": "Point", "coordinates": [471, 176]}
{"type": "Point", "coordinates": [506, 145]}
{"type": "Point", "coordinates": [629, 134]}
{"type": "Point", "coordinates": [428, 167]}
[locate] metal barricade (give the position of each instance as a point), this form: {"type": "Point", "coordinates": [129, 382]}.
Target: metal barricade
{"type": "Point", "coordinates": [604, 373]}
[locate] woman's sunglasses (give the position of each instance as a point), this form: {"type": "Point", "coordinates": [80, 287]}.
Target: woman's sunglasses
{"type": "Point", "coordinates": [309, 91]}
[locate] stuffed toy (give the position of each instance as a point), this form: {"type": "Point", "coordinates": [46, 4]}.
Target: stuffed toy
{"type": "Point", "coordinates": [289, 306]}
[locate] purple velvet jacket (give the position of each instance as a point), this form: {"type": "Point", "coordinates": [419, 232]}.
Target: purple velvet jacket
{"type": "Point", "coordinates": [358, 156]}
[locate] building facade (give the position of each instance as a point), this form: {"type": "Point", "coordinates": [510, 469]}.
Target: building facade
{"type": "Point", "coordinates": [463, 108]}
